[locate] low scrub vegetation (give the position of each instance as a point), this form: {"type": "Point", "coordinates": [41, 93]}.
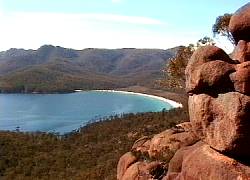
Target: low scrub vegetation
{"type": "Point", "coordinates": [89, 153]}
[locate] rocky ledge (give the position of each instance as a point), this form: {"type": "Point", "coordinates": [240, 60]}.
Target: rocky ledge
{"type": "Point", "coordinates": [215, 144]}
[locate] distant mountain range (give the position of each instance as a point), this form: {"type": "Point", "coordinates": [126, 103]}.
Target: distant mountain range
{"type": "Point", "coordinates": [57, 69]}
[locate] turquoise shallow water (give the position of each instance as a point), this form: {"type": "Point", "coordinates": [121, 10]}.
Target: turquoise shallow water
{"type": "Point", "coordinates": [65, 112]}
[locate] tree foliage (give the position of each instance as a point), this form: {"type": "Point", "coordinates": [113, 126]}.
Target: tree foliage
{"type": "Point", "coordinates": [221, 27]}
{"type": "Point", "coordinates": [174, 71]}
{"type": "Point", "coordinates": [205, 41]}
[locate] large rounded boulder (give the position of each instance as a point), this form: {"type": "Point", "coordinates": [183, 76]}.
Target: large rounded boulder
{"type": "Point", "coordinates": [239, 24]}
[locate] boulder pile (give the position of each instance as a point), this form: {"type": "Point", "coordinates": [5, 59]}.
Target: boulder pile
{"type": "Point", "coordinates": [215, 144]}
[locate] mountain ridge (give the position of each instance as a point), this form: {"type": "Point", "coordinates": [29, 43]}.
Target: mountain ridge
{"type": "Point", "coordinates": [103, 68]}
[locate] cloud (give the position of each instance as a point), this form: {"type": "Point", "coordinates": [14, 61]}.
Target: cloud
{"type": "Point", "coordinates": [78, 31]}
{"type": "Point", "coordinates": [31, 30]}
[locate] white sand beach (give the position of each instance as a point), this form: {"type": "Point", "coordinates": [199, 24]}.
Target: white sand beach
{"type": "Point", "coordinates": [171, 102]}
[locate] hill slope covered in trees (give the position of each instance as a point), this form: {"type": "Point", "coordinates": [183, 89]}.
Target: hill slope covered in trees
{"type": "Point", "coordinates": [57, 69]}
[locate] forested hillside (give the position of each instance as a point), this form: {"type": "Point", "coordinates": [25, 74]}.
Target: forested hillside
{"type": "Point", "coordinates": [57, 69]}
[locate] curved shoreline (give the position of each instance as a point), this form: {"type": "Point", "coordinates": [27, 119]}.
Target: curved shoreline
{"type": "Point", "coordinates": [171, 102]}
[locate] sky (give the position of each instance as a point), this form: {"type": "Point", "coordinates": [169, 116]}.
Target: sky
{"type": "Point", "coordinates": [112, 24]}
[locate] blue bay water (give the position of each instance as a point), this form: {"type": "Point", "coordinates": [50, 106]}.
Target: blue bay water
{"type": "Point", "coordinates": [65, 112]}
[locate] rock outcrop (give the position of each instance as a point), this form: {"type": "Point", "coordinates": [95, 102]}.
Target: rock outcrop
{"type": "Point", "coordinates": [222, 121]}
{"type": "Point", "coordinates": [200, 161]}
{"type": "Point", "coordinates": [148, 155]}
{"type": "Point", "coordinates": [240, 24]}
{"type": "Point", "coordinates": [215, 144]}
{"type": "Point", "coordinates": [125, 161]}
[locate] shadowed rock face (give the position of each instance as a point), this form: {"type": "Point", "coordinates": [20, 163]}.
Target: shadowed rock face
{"type": "Point", "coordinates": [242, 51]}
{"type": "Point", "coordinates": [241, 78]}
{"type": "Point", "coordinates": [215, 144]}
{"type": "Point", "coordinates": [240, 24]}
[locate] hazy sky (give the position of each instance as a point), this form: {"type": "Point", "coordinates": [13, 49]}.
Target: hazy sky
{"type": "Point", "coordinates": [82, 24]}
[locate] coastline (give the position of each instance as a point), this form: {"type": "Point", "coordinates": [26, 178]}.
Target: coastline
{"type": "Point", "coordinates": [171, 102]}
